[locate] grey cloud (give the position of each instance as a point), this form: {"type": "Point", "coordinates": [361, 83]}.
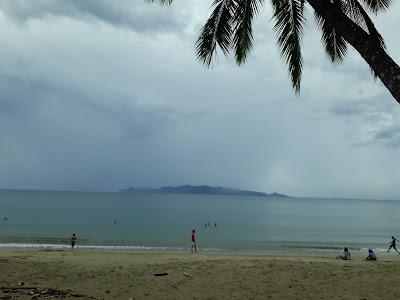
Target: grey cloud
{"type": "Point", "coordinates": [364, 106]}
{"type": "Point", "coordinates": [387, 133]}
{"type": "Point", "coordinates": [51, 131]}
{"type": "Point", "coordinates": [349, 108]}
{"type": "Point", "coordinates": [29, 97]}
{"type": "Point", "coordinates": [122, 13]}
{"type": "Point", "coordinates": [140, 121]}
{"type": "Point", "coordinates": [389, 137]}
{"type": "Point", "coordinates": [379, 117]}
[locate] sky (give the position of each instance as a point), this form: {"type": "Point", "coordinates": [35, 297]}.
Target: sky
{"type": "Point", "coordinates": [99, 95]}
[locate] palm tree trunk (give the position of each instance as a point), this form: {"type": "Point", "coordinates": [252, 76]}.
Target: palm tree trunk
{"type": "Point", "coordinates": [368, 47]}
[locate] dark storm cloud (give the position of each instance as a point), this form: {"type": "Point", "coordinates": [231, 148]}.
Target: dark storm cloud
{"type": "Point", "coordinates": [123, 13]}
{"type": "Point", "coordinates": [29, 98]}
{"type": "Point", "coordinates": [51, 130]}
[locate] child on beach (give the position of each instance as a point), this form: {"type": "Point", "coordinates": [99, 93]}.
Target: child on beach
{"type": "Point", "coordinates": [73, 241]}
{"type": "Point", "coordinates": [345, 255]}
{"type": "Point", "coordinates": [371, 255]}
{"type": "Point", "coordinates": [393, 245]}
{"type": "Point", "coordinates": [194, 241]}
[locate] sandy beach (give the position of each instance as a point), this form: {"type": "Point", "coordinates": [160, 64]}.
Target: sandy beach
{"type": "Point", "coordinates": [26, 274]}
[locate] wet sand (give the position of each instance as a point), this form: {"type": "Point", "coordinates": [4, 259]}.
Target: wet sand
{"type": "Point", "coordinates": [130, 275]}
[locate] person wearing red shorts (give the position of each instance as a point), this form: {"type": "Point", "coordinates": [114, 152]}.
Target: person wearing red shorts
{"type": "Point", "coordinates": [194, 241]}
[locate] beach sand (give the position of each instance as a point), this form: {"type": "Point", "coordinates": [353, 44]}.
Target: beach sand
{"type": "Point", "coordinates": [130, 275]}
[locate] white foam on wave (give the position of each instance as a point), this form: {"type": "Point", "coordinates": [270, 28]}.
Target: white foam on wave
{"type": "Point", "coordinates": [379, 250]}
{"type": "Point", "coordinates": [94, 247]}
{"type": "Point", "coordinates": [98, 247]}
{"type": "Point", "coordinates": [361, 250]}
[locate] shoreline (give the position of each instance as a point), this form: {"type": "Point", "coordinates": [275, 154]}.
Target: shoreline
{"type": "Point", "coordinates": [288, 250]}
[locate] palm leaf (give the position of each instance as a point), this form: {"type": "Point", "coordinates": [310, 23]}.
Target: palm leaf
{"type": "Point", "coordinates": [243, 32]}
{"type": "Point", "coordinates": [335, 45]}
{"type": "Point", "coordinates": [217, 31]}
{"type": "Point", "coordinates": [289, 18]}
{"type": "Point", "coordinates": [351, 9]}
{"type": "Point", "coordinates": [377, 5]}
{"type": "Point", "coordinates": [354, 10]}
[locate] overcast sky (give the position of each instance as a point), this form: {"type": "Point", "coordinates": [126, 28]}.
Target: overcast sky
{"type": "Point", "coordinates": [101, 95]}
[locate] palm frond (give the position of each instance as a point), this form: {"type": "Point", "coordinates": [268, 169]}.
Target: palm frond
{"type": "Point", "coordinates": [243, 31]}
{"type": "Point", "coordinates": [351, 9]}
{"type": "Point", "coordinates": [377, 5]}
{"type": "Point", "coordinates": [369, 24]}
{"type": "Point", "coordinates": [217, 31]}
{"type": "Point", "coordinates": [335, 45]}
{"type": "Point", "coordinates": [289, 18]}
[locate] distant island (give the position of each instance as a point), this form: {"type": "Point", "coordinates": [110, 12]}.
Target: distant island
{"type": "Point", "coordinates": [199, 189]}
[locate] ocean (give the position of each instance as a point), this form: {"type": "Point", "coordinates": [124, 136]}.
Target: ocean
{"type": "Point", "coordinates": [129, 221]}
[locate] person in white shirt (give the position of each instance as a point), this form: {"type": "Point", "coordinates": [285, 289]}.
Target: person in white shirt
{"type": "Point", "coordinates": [345, 255]}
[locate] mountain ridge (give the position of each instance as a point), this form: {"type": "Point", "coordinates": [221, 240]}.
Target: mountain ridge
{"type": "Point", "coordinates": [199, 190]}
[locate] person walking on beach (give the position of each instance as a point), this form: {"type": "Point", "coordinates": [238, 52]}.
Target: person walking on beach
{"type": "Point", "coordinates": [73, 241]}
{"type": "Point", "coordinates": [345, 255]}
{"type": "Point", "coordinates": [193, 241]}
{"type": "Point", "coordinates": [393, 244]}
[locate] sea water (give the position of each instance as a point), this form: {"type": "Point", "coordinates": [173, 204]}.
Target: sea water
{"type": "Point", "coordinates": [165, 221]}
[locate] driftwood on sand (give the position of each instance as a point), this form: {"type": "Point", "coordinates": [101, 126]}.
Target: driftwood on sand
{"type": "Point", "coordinates": [40, 292]}
{"type": "Point", "coordinates": [161, 274]}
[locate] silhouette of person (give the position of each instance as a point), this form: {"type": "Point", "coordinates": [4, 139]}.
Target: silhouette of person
{"type": "Point", "coordinates": [393, 244]}
{"type": "Point", "coordinates": [73, 241]}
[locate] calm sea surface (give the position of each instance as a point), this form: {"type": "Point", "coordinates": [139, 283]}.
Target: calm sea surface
{"type": "Point", "coordinates": [135, 220]}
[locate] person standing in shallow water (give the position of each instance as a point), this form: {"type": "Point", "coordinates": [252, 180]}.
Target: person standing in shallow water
{"type": "Point", "coordinates": [393, 245]}
{"type": "Point", "coordinates": [73, 241]}
{"type": "Point", "coordinates": [193, 241]}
